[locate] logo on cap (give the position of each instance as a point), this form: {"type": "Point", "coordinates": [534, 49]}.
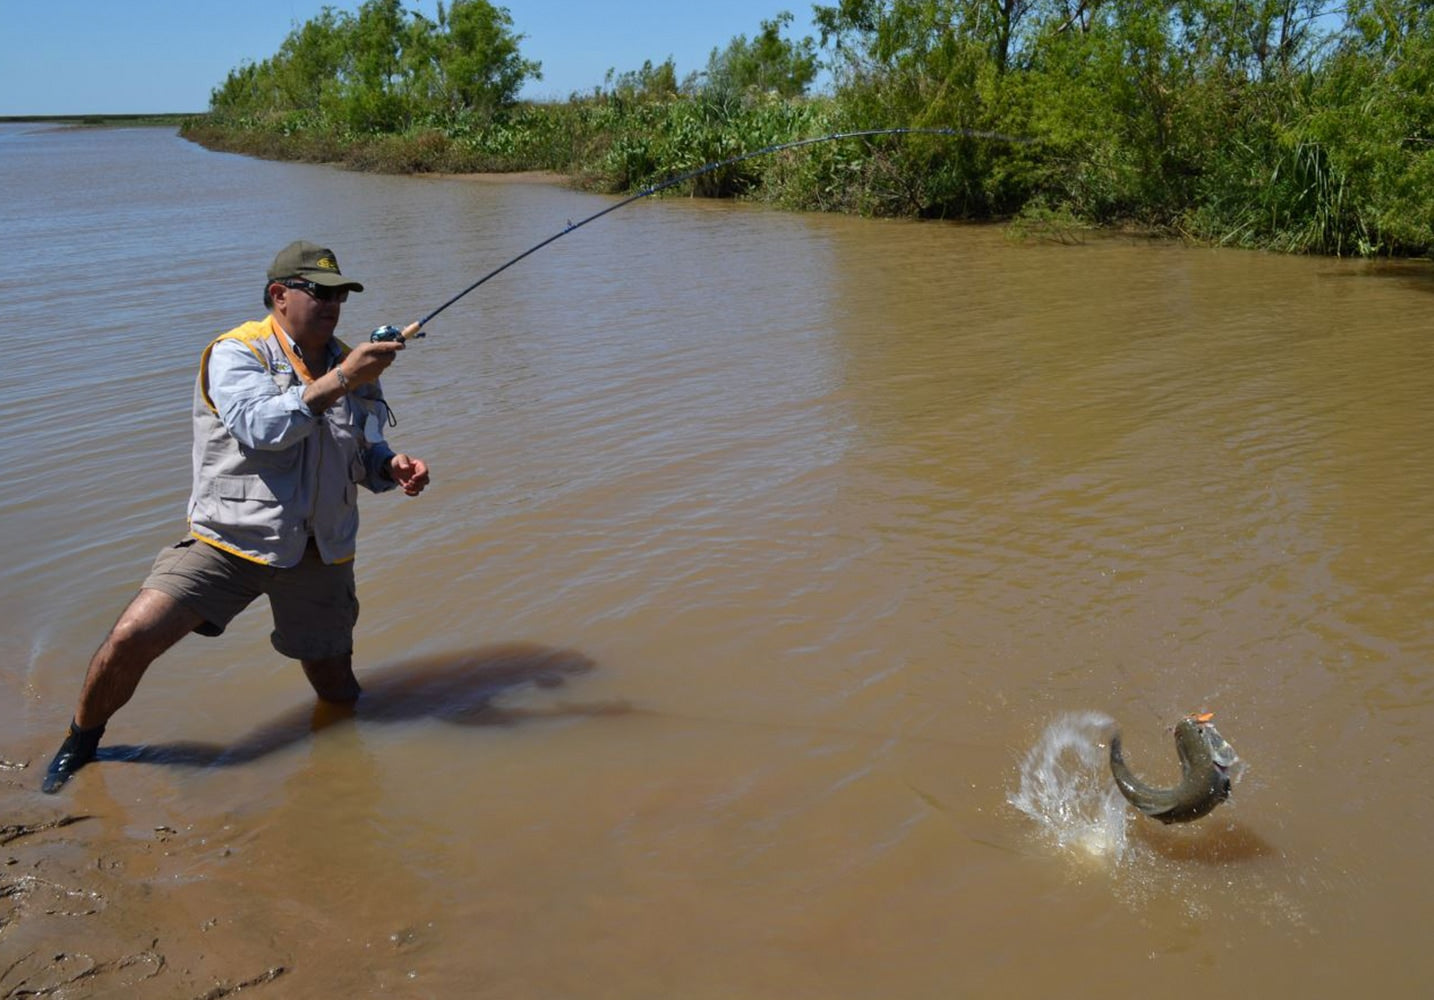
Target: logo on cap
{"type": "Point", "coordinates": [327, 264]}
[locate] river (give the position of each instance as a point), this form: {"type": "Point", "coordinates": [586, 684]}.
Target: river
{"type": "Point", "coordinates": [765, 553]}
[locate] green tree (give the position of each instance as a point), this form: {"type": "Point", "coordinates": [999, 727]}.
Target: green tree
{"type": "Point", "coordinates": [1372, 122]}
{"type": "Point", "coordinates": [650, 83]}
{"type": "Point", "coordinates": [1249, 39]}
{"type": "Point", "coordinates": [311, 60]}
{"type": "Point", "coordinates": [376, 41]}
{"type": "Point", "coordinates": [246, 89]}
{"type": "Point", "coordinates": [480, 67]}
{"type": "Point", "coordinates": [382, 68]}
{"type": "Point", "coordinates": [373, 98]}
{"type": "Point", "coordinates": [880, 37]}
{"type": "Point", "coordinates": [768, 63]}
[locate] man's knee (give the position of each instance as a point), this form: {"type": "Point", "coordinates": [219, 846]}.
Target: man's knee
{"type": "Point", "coordinates": [151, 623]}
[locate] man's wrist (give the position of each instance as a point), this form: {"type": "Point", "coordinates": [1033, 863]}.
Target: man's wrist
{"type": "Point", "coordinates": [342, 376]}
{"type": "Point", "coordinates": [314, 401]}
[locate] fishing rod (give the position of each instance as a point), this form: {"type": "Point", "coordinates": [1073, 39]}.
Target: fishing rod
{"type": "Point", "coordinates": [415, 329]}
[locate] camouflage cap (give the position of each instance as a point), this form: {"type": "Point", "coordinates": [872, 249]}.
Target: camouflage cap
{"type": "Point", "coordinates": [302, 259]}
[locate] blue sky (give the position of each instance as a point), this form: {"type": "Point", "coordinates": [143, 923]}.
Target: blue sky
{"type": "Point", "coordinates": [135, 56]}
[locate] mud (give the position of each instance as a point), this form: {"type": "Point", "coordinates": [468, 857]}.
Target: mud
{"type": "Point", "coordinates": [86, 917]}
{"type": "Point", "coordinates": [90, 906]}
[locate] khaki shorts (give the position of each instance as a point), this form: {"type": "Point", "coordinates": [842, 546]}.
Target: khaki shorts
{"type": "Point", "coordinates": [315, 605]}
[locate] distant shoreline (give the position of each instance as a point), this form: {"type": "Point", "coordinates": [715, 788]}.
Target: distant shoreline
{"type": "Point", "coordinates": [161, 118]}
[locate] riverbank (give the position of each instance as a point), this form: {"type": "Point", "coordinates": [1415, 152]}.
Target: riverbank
{"type": "Point", "coordinates": [87, 909]}
{"type": "Point", "coordinates": [516, 177]}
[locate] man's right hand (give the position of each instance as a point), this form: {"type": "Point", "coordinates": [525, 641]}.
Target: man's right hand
{"type": "Point", "coordinates": [368, 360]}
{"type": "Point", "coordinates": [360, 366]}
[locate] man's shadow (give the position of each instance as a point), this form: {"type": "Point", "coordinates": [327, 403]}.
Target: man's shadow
{"type": "Point", "coordinates": [458, 687]}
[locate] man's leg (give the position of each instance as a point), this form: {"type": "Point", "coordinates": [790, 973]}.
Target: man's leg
{"type": "Point", "coordinates": [152, 623]}
{"type": "Point", "coordinates": [315, 608]}
{"type": "Point", "coordinates": [333, 678]}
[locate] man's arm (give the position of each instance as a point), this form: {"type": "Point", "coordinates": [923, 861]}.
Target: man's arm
{"type": "Point", "coordinates": [362, 365]}
{"type": "Point", "coordinates": [261, 415]}
{"type": "Point", "coordinates": [255, 410]}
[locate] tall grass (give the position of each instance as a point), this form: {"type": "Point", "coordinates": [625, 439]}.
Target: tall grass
{"type": "Point", "coordinates": [1300, 165]}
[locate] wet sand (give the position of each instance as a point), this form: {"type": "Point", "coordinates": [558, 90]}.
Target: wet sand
{"type": "Point", "coordinates": [84, 913]}
{"type": "Point", "coordinates": [91, 905]}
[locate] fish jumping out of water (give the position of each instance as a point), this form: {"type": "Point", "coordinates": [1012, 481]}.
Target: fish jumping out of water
{"type": "Point", "coordinates": [1205, 763]}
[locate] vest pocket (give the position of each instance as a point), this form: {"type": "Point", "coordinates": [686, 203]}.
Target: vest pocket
{"type": "Point", "coordinates": [248, 501]}
{"type": "Point", "coordinates": [253, 488]}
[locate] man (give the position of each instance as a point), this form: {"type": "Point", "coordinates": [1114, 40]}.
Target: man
{"type": "Point", "coordinates": [287, 423]}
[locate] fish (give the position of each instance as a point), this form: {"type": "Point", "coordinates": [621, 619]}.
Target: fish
{"type": "Point", "coordinates": [1206, 759]}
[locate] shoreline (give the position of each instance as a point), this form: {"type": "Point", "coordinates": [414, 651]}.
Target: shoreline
{"type": "Point", "coordinates": [494, 177]}
{"type": "Point", "coordinates": [87, 909]}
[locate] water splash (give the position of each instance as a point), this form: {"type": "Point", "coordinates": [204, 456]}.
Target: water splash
{"type": "Point", "coordinates": [1066, 787]}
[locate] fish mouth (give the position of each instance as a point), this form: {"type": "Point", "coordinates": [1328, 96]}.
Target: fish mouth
{"type": "Point", "coordinates": [1222, 755]}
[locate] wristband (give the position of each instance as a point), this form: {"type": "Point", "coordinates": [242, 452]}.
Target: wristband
{"type": "Point", "coordinates": [343, 379]}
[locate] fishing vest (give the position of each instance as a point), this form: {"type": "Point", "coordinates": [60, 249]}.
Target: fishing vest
{"type": "Point", "coordinates": [265, 504]}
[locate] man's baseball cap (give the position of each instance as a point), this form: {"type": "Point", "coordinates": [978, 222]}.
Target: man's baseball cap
{"type": "Point", "coordinates": [302, 259]}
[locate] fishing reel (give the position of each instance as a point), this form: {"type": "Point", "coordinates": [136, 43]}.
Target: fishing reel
{"type": "Point", "coordinates": [391, 333]}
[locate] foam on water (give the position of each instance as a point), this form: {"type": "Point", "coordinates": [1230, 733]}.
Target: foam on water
{"type": "Point", "coordinates": [1066, 787]}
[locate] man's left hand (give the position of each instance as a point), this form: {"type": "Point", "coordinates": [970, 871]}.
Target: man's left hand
{"type": "Point", "coordinates": [411, 474]}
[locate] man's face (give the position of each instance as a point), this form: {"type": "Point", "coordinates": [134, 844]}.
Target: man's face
{"type": "Point", "coordinates": [307, 310]}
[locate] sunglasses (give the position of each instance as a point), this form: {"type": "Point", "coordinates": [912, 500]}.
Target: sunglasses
{"type": "Point", "coordinates": [322, 293]}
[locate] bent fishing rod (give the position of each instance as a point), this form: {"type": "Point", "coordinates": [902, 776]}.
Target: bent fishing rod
{"type": "Point", "coordinates": [415, 329]}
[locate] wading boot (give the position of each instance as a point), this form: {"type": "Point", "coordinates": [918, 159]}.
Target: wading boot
{"type": "Point", "coordinates": [77, 751]}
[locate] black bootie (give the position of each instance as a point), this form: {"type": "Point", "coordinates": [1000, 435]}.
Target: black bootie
{"type": "Point", "coordinates": [77, 751]}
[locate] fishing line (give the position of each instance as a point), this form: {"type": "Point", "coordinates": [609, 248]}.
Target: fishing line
{"type": "Point", "coordinates": [415, 329]}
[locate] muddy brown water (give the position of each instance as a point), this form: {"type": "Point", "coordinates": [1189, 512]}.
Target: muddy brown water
{"type": "Point", "coordinates": [761, 549]}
